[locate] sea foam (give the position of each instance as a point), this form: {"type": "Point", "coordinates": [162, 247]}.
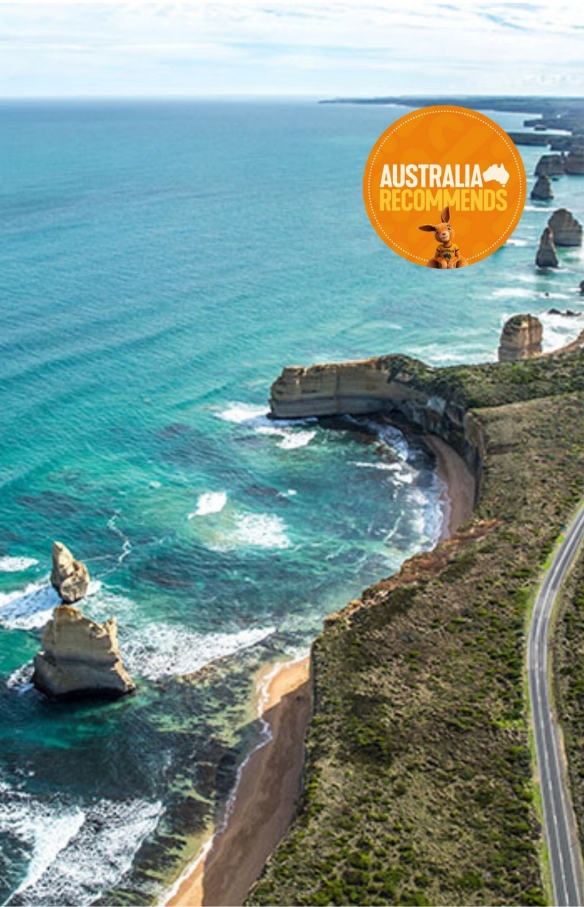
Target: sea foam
{"type": "Point", "coordinates": [161, 650]}
{"type": "Point", "coordinates": [32, 607]}
{"type": "Point", "coordinates": [242, 412]}
{"type": "Point", "coordinates": [262, 530]}
{"type": "Point", "coordinates": [291, 439]}
{"type": "Point", "coordinates": [209, 502]}
{"type": "Point", "coordinates": [16, 564]}
{"type": "Point", "coordinates": [76, 853]}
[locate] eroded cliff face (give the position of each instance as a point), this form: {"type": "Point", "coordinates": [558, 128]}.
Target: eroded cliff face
{"type": "Point", "coordinates": [386, 383]}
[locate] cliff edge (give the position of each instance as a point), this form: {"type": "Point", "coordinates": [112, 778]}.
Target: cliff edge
{"type": "Point", "coordinates": [419, 786]}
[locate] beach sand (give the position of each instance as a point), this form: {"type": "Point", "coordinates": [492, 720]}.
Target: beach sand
{"type": "Point", "coordinates": [265, 798]}
{"type": "Point", "coordinates": [459, 495]}
{"type": "Point", "coordinates": [264, 801]}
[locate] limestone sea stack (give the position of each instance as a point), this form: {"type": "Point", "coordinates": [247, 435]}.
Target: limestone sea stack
{"type": "Point", "coordinates": [550, 164]}
{"type": "Point", "coordinates": [520, 338]}
{"type": "Point", "coordinates": [69, 577]}
{"type": "Point", "coordinates": [547, 256]}
{"type": "Point", "coordinates": [542, 191]}
{"type": "Point", "coordinates": [567, 231]}
{"type": "Point", "coordinates": [575, 162]}
{"type": "Point", "coordinates": [80, 657]}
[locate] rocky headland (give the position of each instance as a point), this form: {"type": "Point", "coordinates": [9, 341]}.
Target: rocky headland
{"type": "Point", "coordinates": [553, 114]}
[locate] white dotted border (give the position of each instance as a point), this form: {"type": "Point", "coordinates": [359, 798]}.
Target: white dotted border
{"type": "Point", "coordinates": [426, 113]}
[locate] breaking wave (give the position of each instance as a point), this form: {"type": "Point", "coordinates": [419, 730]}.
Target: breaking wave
{"type": "Point", "coordinates": [161, 650]}
{"type": "Point", "coordinates": [210, 502]}
{"type": "Point", "coordinates": [31, 607]}
{"type": "Point", "coordinates": [74, 853]}
{"type": "Point", "coordinates": [16, 564]}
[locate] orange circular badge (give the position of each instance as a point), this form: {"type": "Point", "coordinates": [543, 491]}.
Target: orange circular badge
{"type": "Point", "coordinates": [444, 186]}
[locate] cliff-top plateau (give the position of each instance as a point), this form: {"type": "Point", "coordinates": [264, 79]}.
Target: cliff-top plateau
{"type": "Point", "coordinates": [419, 777]}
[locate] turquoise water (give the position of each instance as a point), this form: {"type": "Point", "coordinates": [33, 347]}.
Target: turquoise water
{"type": "Point", "coordinates": [160, 264]}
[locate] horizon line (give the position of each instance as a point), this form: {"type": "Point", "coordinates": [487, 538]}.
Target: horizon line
{"type": "Point", "coordinates": [284, 95]}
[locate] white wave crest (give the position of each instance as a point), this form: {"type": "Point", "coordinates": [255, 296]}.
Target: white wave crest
{"type": "Point", "coordinates": [210, 502]}
{"type": "Point", "coordinates": [255, 530]}
{"type": "Point", "coordinates": [401, 472]}
{"type": "Point", "coordinates": [21, 678]}
{"type": "Point", "coordinates": [28, 608]}
{"type": "Point", "coordinates": [258, 417]}
{"type": "Point", "coordinates": [161, 650]}
{"type": "Point", "coordinates": [291, 439]}
{"type": "Point", "coordinates": [558, 330]}
{"type": "Point", "coordinates": [512, 293]}
{"type": "Point", "coordinates": [16, 564]}
{"type": "Point", "coordinates": [75, 854]}
{"type": "Point", "coordinates": [262, 530]}
{"type": "Point", "coordinates": [32, 607]}
{"type": "Point", "coordinates": [45, 832]}
{"type": "Point", "coordinates": [242, 412]}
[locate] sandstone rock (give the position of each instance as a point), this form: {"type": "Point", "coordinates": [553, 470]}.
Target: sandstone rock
{"type": "Point", "coordinates": [566, 229]}
{"type": "Point", "coordinates": [395, 385]}
{"type": "Point", "coordinates": [550, 164]}
{"type": "Point", "coordinates": [547, 256]}
{"type": "Point", "coordinates": [575, 162]}
{"type": "Point", "coordinates": [520, 338]}
{"type": "Point", "coordinates": [69, 577]}
{"type": "Point", "coordinates": [80, 658]}
{"type": "Point", "coordinates": [542, 190]}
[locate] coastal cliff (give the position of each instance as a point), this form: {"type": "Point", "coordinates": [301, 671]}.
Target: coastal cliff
{"type": "Point", "coordinates": [418, 780]}
{"type": "Point", "coordinates": [397, 385]}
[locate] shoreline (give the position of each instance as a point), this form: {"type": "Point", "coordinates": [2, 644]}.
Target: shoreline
{"type": "Point", "coordinates": [264, 799]}
{"type": "Point", "coordinates": [458, 497]}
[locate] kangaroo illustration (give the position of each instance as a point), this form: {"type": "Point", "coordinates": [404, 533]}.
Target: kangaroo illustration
{"type": "Point", "coordinates": [447, 254]}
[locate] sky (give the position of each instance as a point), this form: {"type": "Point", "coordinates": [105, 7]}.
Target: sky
{"type": "Point", "coordinates": [322, 48]}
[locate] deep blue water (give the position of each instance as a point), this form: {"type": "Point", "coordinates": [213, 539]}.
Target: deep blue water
{"type": "Point", "coordinates": [160, 264]}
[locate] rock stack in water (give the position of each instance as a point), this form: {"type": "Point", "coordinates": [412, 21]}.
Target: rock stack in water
{"type": "Point", "coordinates": [547, 256]}
{"type": "Point", "coordinates": [69, 577]}
{"type": "Point", "coordinates": [520, 338]}
{"type": "Point", "coordinates": [542, 191]}
{"type": "Point", "coordinates": [79, 657]}
{"type": "Point", "coordinates": [575, 162]}
{"type": "Point", "coordinates": [567, 231]}
{"type": "Point", "coordinates": [550, 164]}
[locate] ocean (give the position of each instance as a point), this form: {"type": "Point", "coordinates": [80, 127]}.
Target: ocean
{"type": "Point", "coordinates": [161, 262]}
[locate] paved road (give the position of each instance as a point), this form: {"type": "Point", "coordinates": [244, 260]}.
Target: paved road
{"type": "Point", "coordinates": [557, 807]}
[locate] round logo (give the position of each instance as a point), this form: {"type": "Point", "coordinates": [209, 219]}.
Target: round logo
{"type": "Point", "coordinates": [444, 186]}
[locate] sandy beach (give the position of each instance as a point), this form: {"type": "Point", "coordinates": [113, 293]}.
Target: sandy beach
{"type": "Point", "coordinates": [265, 798]}
{"type": "Point", "coordinates": [460, 485]}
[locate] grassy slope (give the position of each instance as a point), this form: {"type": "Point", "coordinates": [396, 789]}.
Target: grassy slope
{"type": "Point", "coordinates": [418, 783]}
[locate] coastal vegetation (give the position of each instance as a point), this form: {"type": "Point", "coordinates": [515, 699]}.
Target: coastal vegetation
{"type": "Point", "coordinates": [419, 781]}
